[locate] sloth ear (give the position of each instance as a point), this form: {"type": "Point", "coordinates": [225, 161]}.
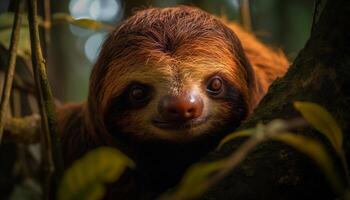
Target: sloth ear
{"type": "Point", "coordinates": [254, 90]}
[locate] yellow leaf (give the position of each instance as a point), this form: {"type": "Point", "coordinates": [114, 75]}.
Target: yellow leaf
{"type": "Point", "coordinates": [322, 121]}
{"type": "Point", "coordinates": [234, 135]}
{"type": "Point", "coordinates": [315, 151]}
{"type": "Point", "coordinates": [6, 20]}
{"type": "Point", "coordinates": [85, 178]}
{"type": "Point", "coordinates": [84, 22]}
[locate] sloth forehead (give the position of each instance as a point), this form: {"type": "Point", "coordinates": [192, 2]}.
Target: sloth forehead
{"type": "Point", "coordinates": [165, 72]}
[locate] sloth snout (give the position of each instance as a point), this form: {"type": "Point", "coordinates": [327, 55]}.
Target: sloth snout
{"type": "Point", "coordinates": [182, 107]}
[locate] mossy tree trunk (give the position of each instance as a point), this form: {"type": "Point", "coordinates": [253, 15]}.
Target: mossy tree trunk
{"type": "Point", "coordinates": [321, 74]}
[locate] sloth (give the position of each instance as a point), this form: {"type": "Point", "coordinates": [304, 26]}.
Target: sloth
{"type": "Point", "coordinates": [168, 84]}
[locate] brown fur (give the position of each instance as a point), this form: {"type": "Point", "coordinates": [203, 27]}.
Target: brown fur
{"type": "Point", "coordinates": [267, 65]}
{"type": "Point", "coordinates": [173, 50]}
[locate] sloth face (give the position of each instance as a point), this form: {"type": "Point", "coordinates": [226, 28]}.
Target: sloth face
{"type": "Point", "coordinates": [176, 102]}
{"type": "Point", "coordinates": [176, 76]}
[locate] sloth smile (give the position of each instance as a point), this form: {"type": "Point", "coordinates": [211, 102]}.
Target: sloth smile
{"type": "Point", "coordinates": [179, 125]}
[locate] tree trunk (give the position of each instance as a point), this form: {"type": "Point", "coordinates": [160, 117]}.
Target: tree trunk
{"type": "Point", "coordinates": [320, 74]}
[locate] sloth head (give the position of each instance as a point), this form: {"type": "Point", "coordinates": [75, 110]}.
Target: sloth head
{"type": "Point", "coordinates": [171, 74]}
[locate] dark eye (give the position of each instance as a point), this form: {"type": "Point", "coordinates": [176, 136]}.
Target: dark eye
{"type": "Point", "coordinates": [215, 85]}
{"type": "Point", "coordinates": [138, 93]}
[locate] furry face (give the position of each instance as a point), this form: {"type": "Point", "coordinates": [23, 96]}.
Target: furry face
{"type": "Point", "coordinates": [175, 100]}
{"type": "Point", "coordinates": [179, 75]}
{"type": "Point", "coordinates": [168, 85]}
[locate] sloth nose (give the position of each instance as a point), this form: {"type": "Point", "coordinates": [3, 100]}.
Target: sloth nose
{"type": "Point", "coordinates": [181, 108]}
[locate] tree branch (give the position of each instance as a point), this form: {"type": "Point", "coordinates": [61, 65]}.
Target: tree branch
{"type": "Point", "coordinates": [51, 151]}
{"type": "Point", "coordinates": [11, 66]}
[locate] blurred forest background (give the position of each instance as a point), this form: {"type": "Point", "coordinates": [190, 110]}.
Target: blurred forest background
{"type": "Point", "coordinates": [73, 50]}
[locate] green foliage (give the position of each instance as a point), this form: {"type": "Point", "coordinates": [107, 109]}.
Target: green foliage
{"type": "Point", "coordinates": [195, 180]}
{"type": "Point", "coordinates": [6, 20]}
{"type": "Point", "coordinates": [316, 151]}
{"type": "Point", "coordinates": [322, 121]}
{"type": "Point", "coordinates": [85, 178]}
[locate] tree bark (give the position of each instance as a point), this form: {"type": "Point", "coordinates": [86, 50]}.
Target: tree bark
{"type": "Point", "coordinates": [320, 74]}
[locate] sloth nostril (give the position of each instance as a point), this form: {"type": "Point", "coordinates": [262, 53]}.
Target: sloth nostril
{"type": "Point", "coordinates": [173, 111]}
{"type": "Point", "coordinates": [191, 110]}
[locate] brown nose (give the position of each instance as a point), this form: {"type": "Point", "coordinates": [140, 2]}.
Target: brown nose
{"type": "Point", "coordinates": [181, 108]}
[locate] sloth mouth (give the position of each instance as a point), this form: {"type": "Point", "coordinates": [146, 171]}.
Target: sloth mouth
{"type": "Point", "coordinates": [179, 125]}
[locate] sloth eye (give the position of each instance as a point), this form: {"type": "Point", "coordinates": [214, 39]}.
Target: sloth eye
{"type": "Point", "coordinates": [215, 85]}
{"type": "Point", "coordinates": [138, 93]}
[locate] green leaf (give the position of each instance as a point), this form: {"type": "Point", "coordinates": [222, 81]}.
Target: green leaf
{"type": "Point", "coordinates": [23, 48]}
{"type": "Point", "coordinates": [6, 20]}
{"type": "Point", "coordinates": [195, 181]}
{"type": "Point", "coordinates": [85, 23]}
{"type": "Point", "coordinates": [316, 151]}
{"type": "Point", "coordinates": [322, 121]}
{"type": "Point", "coordinates": [85, 178]}
{"type": "Point", "coordinates": [234, 135]}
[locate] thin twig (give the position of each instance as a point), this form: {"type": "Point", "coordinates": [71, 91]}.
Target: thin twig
{"type": "Point", "coordinates": [47, 164]}
{"type": "Point", "coordinates": [27, 87]}
{"type": "Point", "coordinates": [11, 66]}
{"type": "Point", "coordinates": [245, 17]}
{"type": "Point", "coordinates": [47, 27]}
{"type": "Point", "coordinates": [51, 152]}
